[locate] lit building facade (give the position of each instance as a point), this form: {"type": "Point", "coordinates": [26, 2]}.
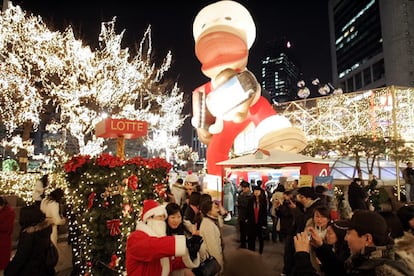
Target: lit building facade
{"type": "Point", "coordinates": [279, 73]}
{"type": "Point", "coordinates": [371, 43]}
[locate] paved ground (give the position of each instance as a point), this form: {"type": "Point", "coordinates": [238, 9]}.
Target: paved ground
{"type": "Point", "coordinates": [241, 261]}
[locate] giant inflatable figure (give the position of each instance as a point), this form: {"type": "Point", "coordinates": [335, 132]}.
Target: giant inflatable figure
{"type": "Point", "coordinates": [222, 108]}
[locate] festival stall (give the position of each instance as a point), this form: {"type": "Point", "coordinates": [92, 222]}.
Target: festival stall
{"type": "Point", "coordinates": [276, 163]}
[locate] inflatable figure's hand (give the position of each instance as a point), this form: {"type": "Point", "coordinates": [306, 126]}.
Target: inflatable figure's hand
{"type": "Point", "coordinates": [202, 118]}
{"type": "Point", "coordinates": [233, 95]}
{"type": "Point", "coordinates": [217, 127]}
{"type": "Point", "coordinates": [204, 136]}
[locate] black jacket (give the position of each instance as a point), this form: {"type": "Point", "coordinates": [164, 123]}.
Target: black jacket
{"type": "Point", "coordinates": [333, 264]}
{"type": "Point", "coordinates": [357, 197]}
{"type": "Point", "coordinates": [30, 255]}
{"type": "Point", "coordinates": [243, 202]}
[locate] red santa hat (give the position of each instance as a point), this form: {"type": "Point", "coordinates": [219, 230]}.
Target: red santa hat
{"type": "Point", "coordinates": [190, 177]}
{"type": "Point", "coordinates": [152, 208]}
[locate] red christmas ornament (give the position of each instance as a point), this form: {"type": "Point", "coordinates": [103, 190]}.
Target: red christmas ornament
{"type": "Point", "coordinates": [160, 189]}
{"type": "Point", "coordinates": [91, 198]}
{"type": "Point", "coordinates": [114, 226]}
{"type": "Point", "coordinates": [133, 182]}
{"type": "Point", "coordinates": [114, 261]}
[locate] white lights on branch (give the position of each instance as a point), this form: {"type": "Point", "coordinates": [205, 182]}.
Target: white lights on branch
{"type": "Point", "coordinates": [43, 68]}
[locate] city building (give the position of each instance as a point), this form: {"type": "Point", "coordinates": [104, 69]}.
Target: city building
{"type": "Point", "coordinates": [371, 43]}
{"type": "Point", "coordinates": [279, 71]}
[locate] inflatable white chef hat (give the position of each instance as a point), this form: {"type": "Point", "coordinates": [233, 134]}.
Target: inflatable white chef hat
{"type": "Point", "coordinates": [225, 16]}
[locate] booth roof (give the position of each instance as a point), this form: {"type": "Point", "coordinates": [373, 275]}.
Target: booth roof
{"type": "Point", "coordinates": [273, 157]}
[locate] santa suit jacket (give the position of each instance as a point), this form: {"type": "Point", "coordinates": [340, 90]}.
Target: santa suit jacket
{"type": "Point", "coordinates": [149, 255]}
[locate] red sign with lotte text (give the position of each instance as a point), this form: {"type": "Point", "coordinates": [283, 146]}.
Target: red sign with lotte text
{"type": "Point", "coordinates": [113, 128]}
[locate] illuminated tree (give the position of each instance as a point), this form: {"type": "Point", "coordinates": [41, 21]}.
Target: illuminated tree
{"type": "Point", "coordinates": [44, 72]}
{"type": "Point", "coordinates": [319, 147]}
{"type": "Point", "coordinates": [398, 149]}
{"type": "Point", "coordinates": [185, 157]}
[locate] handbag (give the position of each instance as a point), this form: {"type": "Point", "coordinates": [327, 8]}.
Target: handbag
{"type": "Point", "coordinates": [52, 256]}
{"type": "Point", "coordinates": [208, 267]}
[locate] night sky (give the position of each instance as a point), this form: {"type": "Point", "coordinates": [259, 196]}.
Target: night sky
{"type": "Point", "coordinates": [304, 23]}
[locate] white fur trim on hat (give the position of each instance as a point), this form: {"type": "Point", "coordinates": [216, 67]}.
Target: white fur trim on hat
{"type": "Point", "coordinates": [155, 211]}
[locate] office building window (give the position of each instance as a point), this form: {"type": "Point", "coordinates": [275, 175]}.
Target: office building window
{"type": "Point", "coordinates": [378, 70]}
{"type": "Point", "coordinates": [350, 85]}
{"type": "Point", "coordinates": [367, 76]}
{"type": "Point", "coordinates": [358, 81]}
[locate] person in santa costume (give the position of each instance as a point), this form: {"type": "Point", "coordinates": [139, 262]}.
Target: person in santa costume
{"type": "Point", "coordinates": [149, 251]}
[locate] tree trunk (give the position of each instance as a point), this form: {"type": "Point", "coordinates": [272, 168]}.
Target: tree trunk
{"type": "Point", "coordinates": [23, 159]}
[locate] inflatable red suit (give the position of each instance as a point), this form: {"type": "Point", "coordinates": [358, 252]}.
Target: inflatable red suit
{"type": "Point", "coordinates": [222, 108]}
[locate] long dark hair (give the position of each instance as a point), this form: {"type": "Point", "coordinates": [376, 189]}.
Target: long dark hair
{"type": "Point", "coordinates": [341, 247]}
{"type": "Point", "coordinates": [173, 208]}
{"type": "Point", "coordinates": [57, 195]}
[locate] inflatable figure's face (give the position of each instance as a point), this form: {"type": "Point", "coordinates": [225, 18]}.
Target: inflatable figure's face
{"type": "Point", "coordinates": [223, 33]}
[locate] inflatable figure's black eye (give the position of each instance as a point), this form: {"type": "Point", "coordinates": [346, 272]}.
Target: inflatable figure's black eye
{"type": "Point", "coordinates": [227, 18]}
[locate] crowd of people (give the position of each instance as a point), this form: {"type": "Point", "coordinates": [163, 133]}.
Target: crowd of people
{"type": "Point", "coordinates": [317, 240]}
{"type": "Point", "coordinates": [177, 237]}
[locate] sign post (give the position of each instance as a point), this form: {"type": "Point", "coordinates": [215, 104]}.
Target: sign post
{"type": "Point", "coordinates": [121, 129]}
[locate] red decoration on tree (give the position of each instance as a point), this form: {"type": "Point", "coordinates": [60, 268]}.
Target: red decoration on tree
{"type": "Point", "coordinates": [114, 226]}
{"type": "Point", "coordinates": [114, 261]}
{"type": "Point", "coordinates": [133, 182]}
{"type": "Point", "coordinates": [76, 162]}
{"type": "Point", "coordinates": [107, 160]}
{"type": "Point", "coordinates": [91, 198]}
{"type": "Point", "coordinates": [127, 209]}
{"type": "Point", "coordinates": [160, 189]}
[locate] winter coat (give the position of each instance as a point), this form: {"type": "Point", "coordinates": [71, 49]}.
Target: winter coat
{"type": "Point", "coordinates": [212, 241]}
{"type": "Point", "coordinates": [377, 261]}
{"type": "Point", "coordinates": [357, 197]}
{"type": "Point", "coordinates": [228, 198]}
{"type": "Point", "coordinates": [51, 209]}
{"type": "Point", "coordinates": [30, 255]}
{"type": "Point", "coordinates": [179, 193]}
{"type": "Point", "coordinates": [7, 216]}
{"type": "Point", "coordinates": [243, 202]}
{"type": "Point", "coordinates": [284, 213]}
{"type": "Point", "coordinates": [404, 249]}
